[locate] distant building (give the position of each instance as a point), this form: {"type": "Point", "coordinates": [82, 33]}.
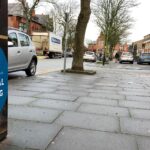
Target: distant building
{"type": "Point", "coordinates": [92, 46]}
{"type": "Point", "coordinates": [99, 45]}
{"type": "Point", "coordinates": [17, 20]}
{"type": "Point", "coordinates": [142, 45]}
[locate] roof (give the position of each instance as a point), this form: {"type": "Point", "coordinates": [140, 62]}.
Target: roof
{"type": "Point", "coordinates": [15, 9]}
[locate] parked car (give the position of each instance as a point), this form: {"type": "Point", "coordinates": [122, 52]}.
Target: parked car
{"type": "Point", "coordinates": [89, 56]}
{"type": "Point", "coordinates": [126, 57]}
{"type": "Point", "coordinates": [21, 53]}
{"type": "Point", "coordinates": [143, 58]}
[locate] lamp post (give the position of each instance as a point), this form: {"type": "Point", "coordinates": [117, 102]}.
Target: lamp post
{"type": "Point", "coordinates": [66, 29]}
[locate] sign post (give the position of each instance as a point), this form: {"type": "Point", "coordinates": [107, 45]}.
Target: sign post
{"type": "Point", "coordinates": [3, 69]}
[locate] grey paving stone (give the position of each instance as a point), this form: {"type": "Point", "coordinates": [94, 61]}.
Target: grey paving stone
{"type": "Point", "coordinates": [69, 92]}
{"type": "Point", "coordinates": [22, 93]}
{"type": "Point", "coordinates": [79, 139]}
{"type": "Point", "coordinates": [38, 89]}
{"type": "Point", "coordinates": [62, 105]}
{"type": "Point", "coordinates": [73, 88]}
{"type": "Point", "coordinates": [107, 84]}
{"type": "Point", "coordinates": [102, 91]}
{"type": "Point", "coordinates": [11, 147]}
{"type": "Point", "coordinates": [57, 97]}
{"type": "Point", "coordinates": [107, 88]}
{"type": "Point", "coordinates": [31, 135]}
{"type": "Point", "coordinates": [94, 100]}
{"type": "Point", "coordinates": [135, 126]}
{"type": "Point", "coordinates": [103, 110]}
{"type": "Point", "coordinates": [18, 100]}
{"type": "Point", "coordinates": [143, 143]}
{"type": "Point", "coordinates": [129, 93]}
{"type": "Point", "coordinates": [140, 113]}
{"type": "Point", "coordinates": [135, 104]}
{"type": "Point", "coordinates": [88, 121]}
{"type": "Point", "coordinates": [33, 114]}
{"type": "Point", "coordinates": [108, 96]}
{"type": "Point", "coordinates": [137, 98]}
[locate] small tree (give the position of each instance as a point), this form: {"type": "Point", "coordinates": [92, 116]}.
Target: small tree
{"type": "Point", "coordinates": [68, 7]}
{"type": "Point", "coordinates": [83, 20]}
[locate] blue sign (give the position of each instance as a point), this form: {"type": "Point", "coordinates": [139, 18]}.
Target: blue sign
{"type": "Point", "coordinates": [55, 40]}
{"type": "Point", "coordinates": [3, 79]}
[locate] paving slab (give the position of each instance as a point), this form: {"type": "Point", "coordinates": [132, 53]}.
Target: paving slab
{"type": "Point", "coordinates": [108, 96]}
{"type": "Point", "coordinates": [33, 114]}
{"type": "Point", "coordinates": [10, 147]}
{"type": "Point", "coordinates": [104, 110]}
{"type": "Point", "coordinates": [135, 104]}
{"type": "Point", "coordinates": [143, 143]}
{"type": "Point", "coordinates": [99, 101]}
{"type": "Point", "coordinates": [107, 88]}
{"type": "Point", "coordinates": [102, 91]}
{"type": "Point", "coordinates": [137, 98]}
{"type": "Point", "coordinates": [20, 100]}
{"type": "Point", "coordinates": [140, 113]}
{"type": "Point", "coordinates": [30, 135]}
{"type": "Point", "coordinates": [135, 126]}
{"type": "Point", "coordinates": [22, 93]}
{"type": "Point", "coordinates": [71, 92]}
{"type": "Point", "coordinates": [88, 121]}
{"type": "Point", "coordinates": [61, 97]}
{"type": "Point", "coordinates": [129, 93]}
{"type": "Point", "coordinates": [38, 89]}
{"type": "Point", "coordinates": [61, 105]}
{"type": "Point", "coordinates": [79, 139]}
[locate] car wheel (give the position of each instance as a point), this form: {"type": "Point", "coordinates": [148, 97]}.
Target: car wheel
{"type": "Point", "coordinates": [120, 62]}
{"type": "Point", "coordinates": [31, 69]}
{"type": "Point", "coordinates": [131, 62]}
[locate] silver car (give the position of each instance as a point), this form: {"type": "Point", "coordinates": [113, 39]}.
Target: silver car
{"type": "Point", "coordinates": [126, 57]}
{"type": "Point", "coordinates": [21, 53]}
{"type": "Point", "coordinates": [89, 56]}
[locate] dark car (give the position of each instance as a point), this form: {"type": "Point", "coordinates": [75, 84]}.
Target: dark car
{"type": "Point", "coordinates": [144, 58]}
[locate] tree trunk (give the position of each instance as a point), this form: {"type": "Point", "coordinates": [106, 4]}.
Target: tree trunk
{"type": "Point", "coordinates": [83, 19]}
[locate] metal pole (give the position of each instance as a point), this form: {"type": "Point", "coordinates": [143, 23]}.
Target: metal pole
{"type": "Point", "coordinates": [66, 28]}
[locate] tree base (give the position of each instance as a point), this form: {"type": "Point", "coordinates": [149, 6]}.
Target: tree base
{"type": "Point", "coordinates": [86, 72]}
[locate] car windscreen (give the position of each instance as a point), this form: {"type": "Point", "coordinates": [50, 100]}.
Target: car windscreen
{"type": "Point", "coordinates": [89, 53]}
{"type": "Point", "coordinates": [126, 54]}
{"type": "Point", "coordinates": [146, 55]}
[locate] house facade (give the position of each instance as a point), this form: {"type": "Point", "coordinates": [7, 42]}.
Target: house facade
{"type": "Point", "coordinates": [142, 45]}
{"type": "Point", "coordinates": [17, 20]}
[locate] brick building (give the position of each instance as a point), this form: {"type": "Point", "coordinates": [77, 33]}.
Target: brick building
{"type": "Point", "coordinates": [17, 20]}
{"type": "Point", "coordinates": [98, 46]}
{"type": "Point", "coordinates": [142, 45]}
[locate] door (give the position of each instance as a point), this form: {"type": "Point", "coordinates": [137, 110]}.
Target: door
{"type": "Point", "coordinates": [14, 52]}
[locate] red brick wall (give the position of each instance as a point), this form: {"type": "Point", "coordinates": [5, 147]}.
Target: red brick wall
{"type": "Point", "coordinates": [14, 21]}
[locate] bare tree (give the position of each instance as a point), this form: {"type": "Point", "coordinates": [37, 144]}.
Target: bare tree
{"type": "Point", "coordinates": [83, 20]}
{"type": "Point", "coordinates": [70, 8]}
{"type": "Point", "coordinates": [114, 20]}
{"type": "Point", "coordinates": [27, 11]}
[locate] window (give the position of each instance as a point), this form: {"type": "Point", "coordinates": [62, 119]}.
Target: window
{"type": "Point", "coordinates": [24, 40]}
{"type": "Point", "coordinates": [12, 37]}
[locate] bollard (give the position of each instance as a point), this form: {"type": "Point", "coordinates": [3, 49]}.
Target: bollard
{"type": "Point", "coordinates": [3, 69]}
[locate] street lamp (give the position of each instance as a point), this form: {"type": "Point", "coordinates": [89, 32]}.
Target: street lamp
{"type": "Point", "coordinates": [66, 30]}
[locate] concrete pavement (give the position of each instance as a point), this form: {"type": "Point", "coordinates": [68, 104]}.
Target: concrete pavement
{"type": "Point", "coordinates": [107, 111]}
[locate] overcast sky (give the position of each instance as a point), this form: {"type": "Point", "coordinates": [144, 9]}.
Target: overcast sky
{"type": "Point", "coordinates": [141, 26]}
